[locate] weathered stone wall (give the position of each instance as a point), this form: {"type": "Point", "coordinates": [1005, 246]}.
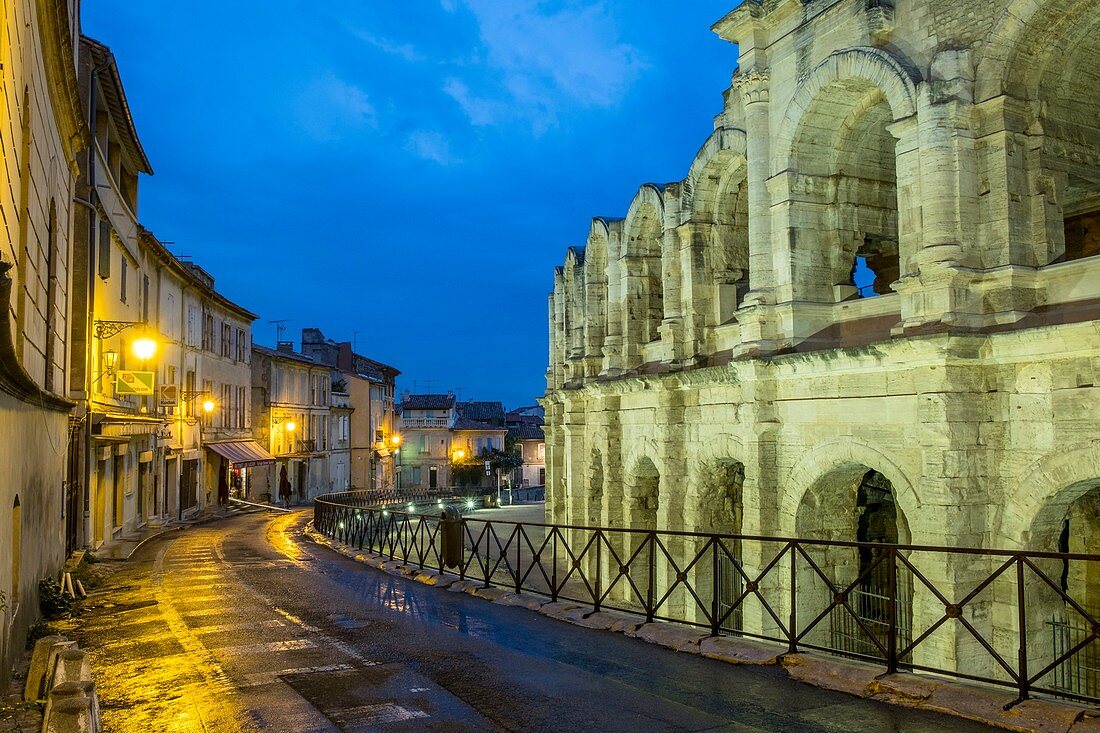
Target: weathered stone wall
{"type": "Point", "coordinates": [40, 133]}
{"type": "Point", "coordinates": [948, 147]}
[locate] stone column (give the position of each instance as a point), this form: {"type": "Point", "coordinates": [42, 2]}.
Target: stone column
{"type": "Point", "coordinates": [752, 85]}
{"type": "Point", "coordinates": [757, 330]}
{"type": "Point", "coordinates": [694, 240]}
{"type": "Point", "coordinates": [613, 340]}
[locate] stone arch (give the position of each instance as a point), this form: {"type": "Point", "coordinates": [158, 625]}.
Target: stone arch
{"type": "Point", "coordinates": [642, 272]}
{"type": "Point", "coordinates": [852, 499]}
{"type": "Point", "coordinates": [1045, 492]}
{"type": "Point", "coordinates": [1055, 507]}
{"type": "Point", "coordinates": [1024, 29]}
{"type": "Point", "coordinates": [596, 290]}
{"type": "Point", "coordinates": [844, 461]}
{"type": "Point", "coordinates": [873, 66]}
{"type": "Point", "coordinates": [1043, 54]}
{"type": "Point", "coordinates": [574, 282]}
{"type": "Point", "coordinates": [717, 228]}
{"type": "Point", "coordinates": [842, 160]}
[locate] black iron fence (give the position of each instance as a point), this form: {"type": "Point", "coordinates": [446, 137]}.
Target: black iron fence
{"type": "Point", "coordinates": [979, 615]}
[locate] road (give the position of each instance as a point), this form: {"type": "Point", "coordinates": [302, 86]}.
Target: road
{"type": "Point", "coordinates": [247, 625]}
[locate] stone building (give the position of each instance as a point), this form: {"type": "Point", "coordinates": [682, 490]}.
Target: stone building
{"type": "Point", "coordinates": [292, 419]}
{"type": "Point", "coordinates": [364, 425]}
{"type": "Point", "coordinates": [438, 431]}
{"type": "Point", "coordinates": [868, 311]}
{"type": "Point", "coordinates": [41, 135]}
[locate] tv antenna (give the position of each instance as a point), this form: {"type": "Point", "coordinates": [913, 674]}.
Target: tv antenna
{"type": "Point", "coordinates": [279, 329]}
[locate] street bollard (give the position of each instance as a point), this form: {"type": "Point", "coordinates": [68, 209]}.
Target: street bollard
{"type": "Point", "coordinates": [450, 532]}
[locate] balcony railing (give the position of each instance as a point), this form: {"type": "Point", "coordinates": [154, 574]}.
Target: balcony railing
{"type": "Point", "coordinates": [979, 615]}
{"type": "Point", "coordinates": [425, 422]}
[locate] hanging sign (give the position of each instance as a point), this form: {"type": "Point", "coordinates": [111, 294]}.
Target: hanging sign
{"type": "Point", "coordinates": [131, 382]}
{"type": "Point", "coordinates": [169, 395]}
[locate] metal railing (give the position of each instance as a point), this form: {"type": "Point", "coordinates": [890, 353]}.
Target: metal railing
{"type": "Point", "coordinates": [979, 615]}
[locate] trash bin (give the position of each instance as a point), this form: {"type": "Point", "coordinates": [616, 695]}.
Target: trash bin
{"type": "Point", "coordinates": [450, 537]}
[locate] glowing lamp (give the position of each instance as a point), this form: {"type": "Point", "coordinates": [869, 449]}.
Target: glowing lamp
{"type": "Point", "coordinates": [290, 426]}
{"type": "Point", "coordinates": [396, 440]}
{"type": "Point", "coordinates": [208, 406]}
{"type": "Point", "coordinates": [110, 360]}
{"type": "Point", "coordinates": [144, 348]}
{"type": "Point", "coordinates": [460, 454]}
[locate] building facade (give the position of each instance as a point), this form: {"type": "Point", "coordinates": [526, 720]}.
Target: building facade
{"type": "Point", "coordinates": [292, 419]}
{"type": "Point", "coordinates": [43, 134]}
{"type": "Point", "coordinates": [366, 425]}
{"type": "Point", "coordinates": [439, 434]}
{"type": "Point", "coordinates": [868, 311]}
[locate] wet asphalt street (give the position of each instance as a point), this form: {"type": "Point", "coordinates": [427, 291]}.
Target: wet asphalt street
{"type": "Point", "coordinates": [246, 625]}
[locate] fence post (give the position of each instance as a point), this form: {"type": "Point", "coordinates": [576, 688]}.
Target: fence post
{"type": "Point", "coordinates": [792, 633]}
{"type": "Point", "coordinates": [892, 633]}
{"type": "Point", "coordinates": [554, 568]}
{"type": "Point", "coordinates": [519, 557]}
{"type": "Point", "coordinates": [716, 587]}
{"type": "Point", "coordinates": [1021, 621]}
{"type": "Point", "coordinates": [650, 587]}
{"type": "Point", "coordinates": [596, 585]}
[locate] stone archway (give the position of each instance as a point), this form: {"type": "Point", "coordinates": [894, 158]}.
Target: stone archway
{"type": "Point", "coordinates": [642, 274]}
{"type": "Point", "coordinates": [1056, 508]}
{"type": "Point", "coordinates": [842, 161]}
{"type": "Point", "coordinates": [852, 502]}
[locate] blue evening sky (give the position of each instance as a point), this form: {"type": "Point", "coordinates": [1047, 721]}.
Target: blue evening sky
{"type": "Point", "coordinates": [409, 170]}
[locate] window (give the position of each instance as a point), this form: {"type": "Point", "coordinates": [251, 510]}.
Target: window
{"type": "Point", "coordinates": [227, 339]}
{"type": "Point", "coordinates": [542, 452]}
{"type": "Point", "coordinates": [227, 405]}
{"type": "Point", "coordinates": [122, 279]}
{"type": "Point", "coordinates": [242, 398]}
{"type": "Point", "coordinates": [519, 450]}
{"type": "Point", "coordinates": [104, 256]}
{"type": "Point", "coordinates": [208, 332]}
{"type": "Point", "coordinates": [192, 326]}
{"type": "Point", "coordinates": [241, 344]}
{"type": "Point", "coordinates": [145, 298]}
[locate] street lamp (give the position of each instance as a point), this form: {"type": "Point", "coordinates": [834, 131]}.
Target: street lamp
{"type": "Point", "coordinates": [144, 348]}
{"type": "Point", "coordinates": [291, 426]}
{"type": "Point", "coordinates": [459, 454]}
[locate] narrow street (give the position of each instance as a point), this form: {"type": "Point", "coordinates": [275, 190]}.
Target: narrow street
{"type": "Point", "coordinates": [247, 625]}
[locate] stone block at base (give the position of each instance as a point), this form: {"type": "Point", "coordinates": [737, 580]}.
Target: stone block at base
{"type": "Point", "coordinates": [523, 600]}
{"type": "Point", "coordinates": [562, 610]}
{"type": "Point", "coordinates": [740, 651]}
{"type": "Point", "coordinates": [832, 673]}
{"type": "Point", "coordinates": [489, 594]}
{"type": "Point", "coordinates": [680, 638]}
{"type": "Point", "coordinates": [34, 689]}
{"type": "Point", "coordinates": [987, 705]}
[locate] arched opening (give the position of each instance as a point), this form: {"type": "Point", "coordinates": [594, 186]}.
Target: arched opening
{"type": "Point", "coordinates": [596, 295]}
{"type": "Point", "coordinates": [643, 285]}
{"type": "Point", "coordinates": [717, 507]}
{"type": "Point", "coordinates": [1069, 113]}
{"type": "Point", "coordinates": [853, 504]}
{"type": "Point", "coordinates": [636, 509]}
{"type": "Point", "coordinates": [844, 151]}
{"type": "Point", "coordinates": [1068, 523]}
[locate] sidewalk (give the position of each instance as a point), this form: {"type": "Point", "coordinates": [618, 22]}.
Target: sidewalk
{"type": "Point", "coordinates": [123, 548]}
{"type": "Point", "coordinates": [17, 716]}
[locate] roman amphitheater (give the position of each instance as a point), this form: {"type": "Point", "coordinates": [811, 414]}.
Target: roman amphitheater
{"type": "Point", "coordinates": [869, 312]}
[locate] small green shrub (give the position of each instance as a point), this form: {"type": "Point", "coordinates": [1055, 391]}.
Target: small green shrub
{"type": "Point", "coordinates": [52, 601]}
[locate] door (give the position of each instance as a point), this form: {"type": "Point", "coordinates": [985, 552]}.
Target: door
{"type": "Point", "coordinates": [189, 488]}
{"type": "Point", "coordinates": [303, 476]}
{"type": "Point", "coordinates": [433, 477]}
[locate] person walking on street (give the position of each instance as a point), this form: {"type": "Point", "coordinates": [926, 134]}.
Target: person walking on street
{"type": "Point", "coordinates": [284, 487]}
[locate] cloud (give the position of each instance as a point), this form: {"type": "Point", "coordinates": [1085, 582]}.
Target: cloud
{"type": "Point", "coordinates": [405, 51]}
{"type": "Point", "coordinates": [547, 60]}
{"type": "Point", "coordinates": [430, 145]}
{"type": "Point", "coordinates": [329, 107]}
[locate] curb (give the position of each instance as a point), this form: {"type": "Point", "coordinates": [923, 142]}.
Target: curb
{"type": "Point", "coordinates": [60, 676]}
{"type": "Point", "coordinates": [950, 697]}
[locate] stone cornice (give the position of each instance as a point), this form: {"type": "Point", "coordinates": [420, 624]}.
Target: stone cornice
{"type": "Point", "coordinates": [56, 35]}
{"type": "Point", "coordinates": [14, 379]}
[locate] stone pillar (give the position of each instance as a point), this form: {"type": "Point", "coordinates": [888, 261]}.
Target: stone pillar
{"type": "Point", "coordinates": [613, 340]}
{"type": "Point", "coordinates": [694, 240]}
{"type": "Point", "coordinates": [758, 334]}
{"type": "Point", "coordinates": [753, 88]}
